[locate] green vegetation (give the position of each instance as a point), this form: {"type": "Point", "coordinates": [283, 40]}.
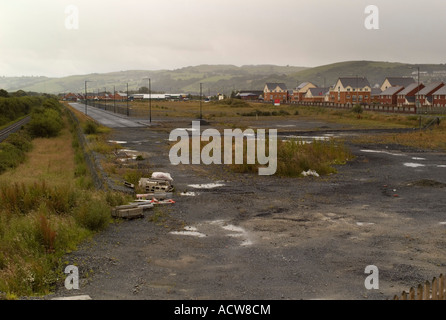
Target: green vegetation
{"type": "Point", "coordinates": [295, 157]}
{"type": "Point", "coordinates": [47, 206]}
{"type": "Point", "coordinates": [12, 108]}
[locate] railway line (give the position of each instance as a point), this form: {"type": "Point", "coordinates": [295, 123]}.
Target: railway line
{"type": "Point", "coordinates": [13, 128]}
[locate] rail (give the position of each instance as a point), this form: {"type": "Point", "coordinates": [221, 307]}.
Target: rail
{"type": "Point", "coordinates": [13, 128]}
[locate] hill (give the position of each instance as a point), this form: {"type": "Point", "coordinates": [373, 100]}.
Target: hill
{"type": "Point", "coordinates": [224, 78]}
{"type": "Point", "coordinates": [215, 79]}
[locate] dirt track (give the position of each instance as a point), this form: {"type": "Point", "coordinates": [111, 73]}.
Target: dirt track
{"type": "Point", "coordinates": [261, 237]}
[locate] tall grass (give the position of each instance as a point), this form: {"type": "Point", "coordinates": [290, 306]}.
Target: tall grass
{"type": "Point", "coordinates": [296, 156]}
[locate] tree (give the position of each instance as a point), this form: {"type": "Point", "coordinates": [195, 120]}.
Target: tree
{"type": "Point", "coordinates": [143, 90]}
{"type": "Point", "coordinates": [4, 93]}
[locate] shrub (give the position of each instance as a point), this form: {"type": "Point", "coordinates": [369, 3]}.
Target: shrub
{"type": "Point", "coordinates": [45, 124]}
{"type": "Point", "coordinates": [357, 109]}
{"type": "Point", "coordinates": [91, 127]}
{"type": "Point", "coordinates": [93, 215]}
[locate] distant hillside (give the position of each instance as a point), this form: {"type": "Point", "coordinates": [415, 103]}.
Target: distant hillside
{"type": "Point", "coordinates": [224, 78]}
{"type": "Point", "coordinates": [215, 79]}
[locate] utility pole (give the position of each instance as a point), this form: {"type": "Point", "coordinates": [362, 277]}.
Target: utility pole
{"type": "Point", "coordinates": [86, 96]}
{"type": "Point", "coordinates": [150, 100]}
{"type": "Point", "coordinates": [127, 99]}
{"type": "Point", "coordinates": [114, 99]}
{"type": "Point", "coordinates": [105, 97]}
{"type": "Point", "coordinates": [201, 94]}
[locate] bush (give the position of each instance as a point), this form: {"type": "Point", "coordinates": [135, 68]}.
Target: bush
{"type": "Point", "coordinates": [45, 124]}
{"type": "Point", "coordinates": [91, 127]}
{"type": "Point", "coordinates": [357, 109]}
{"type": "Point", "coordinates": [93, 215]}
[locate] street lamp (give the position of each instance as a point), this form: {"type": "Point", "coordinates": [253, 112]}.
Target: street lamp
{"type": "Point", "coordinates": [127, 99]}
{"type": "Point", "coordinates": [201, 98]}
{"type": "Point", "coordinates": [86, 96]}
{"type": "Point", "coordinates": [150, 98]}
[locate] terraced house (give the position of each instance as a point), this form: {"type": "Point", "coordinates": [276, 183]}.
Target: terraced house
{"type": "Point", "coordinates": [275, 91]}
{"type": "Point", "coordinates": [351, 90]}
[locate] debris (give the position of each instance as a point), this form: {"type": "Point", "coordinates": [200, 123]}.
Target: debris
{"type": "Point", "coordinates": [131, 211]}
{"type": "Point", "coordinates": [158, 195]}
{"type": "Point", "coordinates": [156, 185]}
{"type": "Point", "coordinates": [162, 176]}
{"type": "Point", "coordinates": [129, 185]}
{"type": "Point", "coordinates": [310, 173]}
{"type": "Point", "coordinates": [155, 201]}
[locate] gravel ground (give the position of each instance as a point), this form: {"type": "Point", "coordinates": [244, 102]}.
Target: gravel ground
{"type": "Point", "coordinates": [270, 238]}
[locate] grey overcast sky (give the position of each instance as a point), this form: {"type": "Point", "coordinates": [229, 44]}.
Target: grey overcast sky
{"type": "Point", "coordinates": [117, 35]}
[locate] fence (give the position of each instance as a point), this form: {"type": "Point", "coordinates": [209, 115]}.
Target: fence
{"type": "Point", "coordinates": [119, 107]}
{"type": "Point", "coordinates": [92, 160]}
{"type": "Point", "coordinates": [427, 291]}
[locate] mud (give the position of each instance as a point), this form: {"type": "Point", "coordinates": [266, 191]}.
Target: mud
{"type": "Point", "coordinates": [266, 237]}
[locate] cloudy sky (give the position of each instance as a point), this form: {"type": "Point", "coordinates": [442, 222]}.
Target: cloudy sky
{"type": "Point", "coordinates": [50, 38]}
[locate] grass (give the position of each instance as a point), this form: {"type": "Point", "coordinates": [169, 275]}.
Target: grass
{"type": "Point", "coordinates": [431, 139]}
{"type": "Point", "coordinates": [295, 157]}
{"type": "Point", "coordinates": [47, 207]}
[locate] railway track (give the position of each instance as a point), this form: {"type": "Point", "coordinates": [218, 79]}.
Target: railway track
{"type": "Point", "coordinates": [13, 128]}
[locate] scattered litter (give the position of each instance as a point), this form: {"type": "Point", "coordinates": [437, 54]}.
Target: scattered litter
{"type": "Point", "coordinates": [156, 185]}
{"type": "Point", "coordinates": [413, 165]}
{"type": "Point", "coordinates": [162, 176]}
{"type": "Point", "coordinates": [206, 186]}
{"type": "Point", "coordinates": [189, 194]}
{"type": "Point", "coordinates": [150, 196]}
{"type": "Point", "coordinates": [155, 201]}
{"type": "Point", "coordinates": [132, 211]}
{"type": "Point", "coordinates": [310, 173]}
{"type": "Point", "coordinates": [129, 185]}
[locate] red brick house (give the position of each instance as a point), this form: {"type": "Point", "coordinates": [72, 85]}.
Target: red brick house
{"type": "Point", "coordinates": [396, 81]}
{"type": "Point", "coordinates": [351, 90]}
{"type": "Point", "coordinates": [275, 91]}
{"type": "Point", "coordinates": [316, 95]}
{"type": "Point", "coordinates": [301, 90]}
{"type": "Point", "coordinates": [408, 96]}
{"type": "Point", "coordinates": [390, 95]}
{"type": "Point", "coordinates": [425, 95]}
{"type": "Point", "coordinates": [439, 97]}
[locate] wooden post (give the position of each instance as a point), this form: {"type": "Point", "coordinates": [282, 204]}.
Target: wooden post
{"type": "Point", "coordinates": [426, 293]}
{"type": "Point", "coordinates": [442, 295]}
{"type": "Point", "coordinates": [420, 292]}
{"type": "Point", "coordinates": [412, 294]}
{"type": "Point", "coordinates": [434, 289]}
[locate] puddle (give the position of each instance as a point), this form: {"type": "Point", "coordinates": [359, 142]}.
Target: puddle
{"type": "Point", "coordinates": [415, 158]}
{"type": "Point", "coordinates": [361, 224]}
{"type": "Point", "coordinates": [189, 231]}
{"type": "Point", "coordinates": [206, 186]}
{"type": "Point", "coordinates": [385, 152]}
{"type": "Point", "coordinates": [441, 166]}
{"type": "Point", "coordinates": [443, 223]}
{"type": "Point", "coordinates": [413, 165]}
{"type": "Point", "coordinates": [118, 142]}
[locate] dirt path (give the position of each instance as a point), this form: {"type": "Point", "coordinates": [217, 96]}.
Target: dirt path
{"type": "Point", "coordinates": [275, 238]}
